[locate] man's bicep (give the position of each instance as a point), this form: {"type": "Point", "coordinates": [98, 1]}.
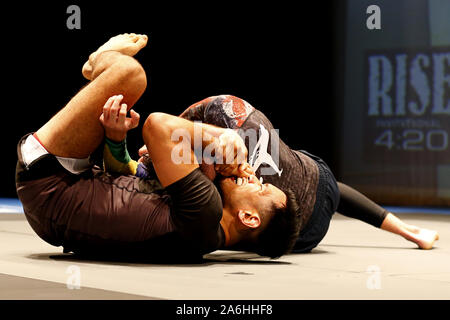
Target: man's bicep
{"type": "Point", "coordinates": [172, 161]}
{"type": "Point", "coordinates": [171, 153]}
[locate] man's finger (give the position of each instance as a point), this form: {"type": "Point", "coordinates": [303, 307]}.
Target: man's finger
{"type": "Point", "coordinates": [115, 107]}
{"type": "Point", "coordinates": [250, 171]}
{"type": "Point", "coordinates": [235, 171]}
{"type": "Point", "coordinates": [143, 150]}
{"type": "Point", "coordinates": [243, 166]}
{"type": "Point", "coordinates": [242, 169]}
{"type": "Point", "coordinates": [228, 170]}
{"type": "Point", "coordinates": [248, 168]}
{"type": "Point", "coordinates": [122, 114]}
{"type": "Point", "coordinates": [107, 108]}
{"type": "Point", "coordinates": [134, 118]}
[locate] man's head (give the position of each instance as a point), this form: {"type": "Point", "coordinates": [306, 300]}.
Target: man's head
{"type": "Point", "coordinates": [259, 217]}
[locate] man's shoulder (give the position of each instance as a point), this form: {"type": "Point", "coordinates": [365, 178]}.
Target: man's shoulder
{"type": "Point", "coordinates": [195, 200]}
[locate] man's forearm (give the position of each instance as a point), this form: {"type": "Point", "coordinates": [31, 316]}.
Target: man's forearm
{"type": "Point", "coordinates": [173, 143]}
{"type": "Point", "coordinates": [163, 133]}
{"type": "Point", "coordinates": [198, 133]}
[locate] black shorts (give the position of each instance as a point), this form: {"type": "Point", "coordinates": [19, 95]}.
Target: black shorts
{"type": "Point", "coordinates": [91, 210]}
{"type": "Point", "coordinates": [327, 201]}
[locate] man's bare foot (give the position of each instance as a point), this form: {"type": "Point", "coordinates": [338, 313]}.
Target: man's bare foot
{"type": "Point", "coordinates": [127, 43]}
{"type": "Point", "coordinates": [424, 238]}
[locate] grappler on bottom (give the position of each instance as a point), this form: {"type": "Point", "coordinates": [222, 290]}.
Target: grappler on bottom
{"type": "Point", "coordinates": [70, 203]}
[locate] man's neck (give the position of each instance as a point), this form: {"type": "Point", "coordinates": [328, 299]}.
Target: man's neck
{"type": "Point", "coordinates": [227, 224]}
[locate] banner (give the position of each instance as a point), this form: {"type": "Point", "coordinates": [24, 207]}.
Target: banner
{"type": "Point", "coordinates": [395, 127]}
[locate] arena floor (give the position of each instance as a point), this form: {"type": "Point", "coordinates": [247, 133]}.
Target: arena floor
{"type": "Point", "coordinates": [354, 261]}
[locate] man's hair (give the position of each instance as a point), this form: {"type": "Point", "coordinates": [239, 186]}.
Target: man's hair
{"type": "Point", "coordinates": [279, 236]}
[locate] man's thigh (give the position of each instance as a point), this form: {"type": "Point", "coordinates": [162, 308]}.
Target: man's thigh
{"type": "Point", "coordinates": [75, 131]}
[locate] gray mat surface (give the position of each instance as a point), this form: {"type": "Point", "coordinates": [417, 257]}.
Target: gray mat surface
{"type": "Point", "coordinates": [354, 261]}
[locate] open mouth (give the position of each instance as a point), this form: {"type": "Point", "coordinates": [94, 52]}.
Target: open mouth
{"type": "Point", "coordinates": [239, 181]}
{"type": "Point", "coordinates": [243, 181]}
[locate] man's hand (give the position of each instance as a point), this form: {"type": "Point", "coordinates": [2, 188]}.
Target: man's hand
{"type": "Point", "coordinates": [128, 44]}
{"type": "Point", "coordinates": [231, 155]}
{"type": "Point", "coordinates": [243, 170]}
{"type": "Point", "coordinates": [143, 152]}
{"type": "Point", "coordinates": [114, 119]}
{"type": "Point", "coordinates": [230, 148]}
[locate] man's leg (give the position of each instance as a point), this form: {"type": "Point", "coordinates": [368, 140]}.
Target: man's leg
{"type": "Point", "coordinates": [75, 131]}
{"type": "Point", "coordinates": [355, 205]}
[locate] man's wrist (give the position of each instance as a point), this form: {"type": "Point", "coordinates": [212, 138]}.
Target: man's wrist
{"type": "Point", "coordinates": [116, 137]}
{"type": "Point", "coordinates": [118, 150]}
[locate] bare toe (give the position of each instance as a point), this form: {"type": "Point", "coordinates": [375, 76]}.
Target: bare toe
{"type": "Point", "coordinates": [142, 41]}
{"type": "Point", "coordinates": [134, 37]}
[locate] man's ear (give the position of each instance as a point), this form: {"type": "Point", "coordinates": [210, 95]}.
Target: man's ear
{"type": "Point", "coordinates": [250, 219]}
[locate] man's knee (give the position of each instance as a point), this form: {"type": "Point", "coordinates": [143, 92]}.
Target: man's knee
{"type": "Point", "coordinates": [134, 74]}
{"type": "Point", "coordinates": [128, 74]}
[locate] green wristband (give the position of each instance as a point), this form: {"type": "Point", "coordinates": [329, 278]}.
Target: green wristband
{"type": "Point", "coordinates": [119, 150]}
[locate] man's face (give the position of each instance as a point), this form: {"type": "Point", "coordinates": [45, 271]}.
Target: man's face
{"type": "Point", "coordinates": [243, 193]}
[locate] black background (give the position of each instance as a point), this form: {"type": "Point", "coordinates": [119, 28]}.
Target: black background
{"type": "Point", "coordinates": [283, 58]}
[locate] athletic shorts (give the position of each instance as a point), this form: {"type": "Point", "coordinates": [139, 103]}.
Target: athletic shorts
{"type": "Point", "coordinates": [327, 201]}
{"type": "Point", "coordinates": [89, 210]}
